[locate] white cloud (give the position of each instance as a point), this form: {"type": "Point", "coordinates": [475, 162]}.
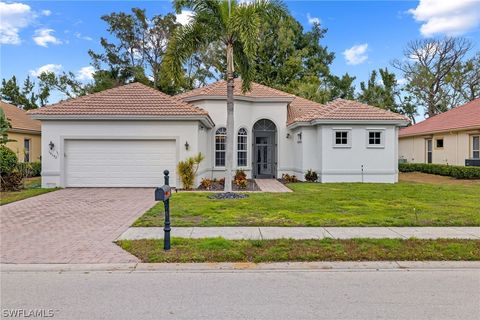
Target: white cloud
{"type": "Point", "coordinates": [312, 20]}
{"type": "Point", "coordinates": [402, 81]}
{"type": "Point", "coordinates": [447, 17]}
{"type": "Point", "coordinates": [13, 18]}
{"type": "Point", "coordinates": [55, 68]}
{"type": "Point", "coordinates": [184, 17]}
{"type": "Point", "coordinates": [356, 54]}
{"type": "Point", "coordinates": [85, 73]}
{"type": "Point", "coordinates": [80, 36]}
{"type": "Point", "coordinates": [44, 36]}
{"type": "Point", "coordinates": [46, 13]}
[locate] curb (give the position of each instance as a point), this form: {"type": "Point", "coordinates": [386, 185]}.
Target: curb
{"type": "Point", "coordinates": [243, 267]}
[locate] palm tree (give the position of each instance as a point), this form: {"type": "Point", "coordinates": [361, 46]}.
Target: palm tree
{"type": "Point", "coordinates": [236, 26]}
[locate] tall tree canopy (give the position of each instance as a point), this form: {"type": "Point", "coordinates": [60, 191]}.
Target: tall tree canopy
{"type": "Point", "coordinates": [433, 70]}
{"type": "Point", "coordinates": [233, 28]}
{"type": "Point", "coordinates": [385, 93]}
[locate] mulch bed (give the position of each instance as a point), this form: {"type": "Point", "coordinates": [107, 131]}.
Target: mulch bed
{"type": "Point", "coordinates": [217, 186]}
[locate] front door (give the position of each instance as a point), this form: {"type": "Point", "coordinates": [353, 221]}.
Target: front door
{"type": "Point", "coordinates": [429, 150]}
{"type": "Point", "coordinates": [264, 158]}
{"type": "Point", "coordinates": [264, 149]}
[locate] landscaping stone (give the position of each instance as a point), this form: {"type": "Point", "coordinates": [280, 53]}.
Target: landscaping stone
{"type": "Point", "coordinates": [227, 195]}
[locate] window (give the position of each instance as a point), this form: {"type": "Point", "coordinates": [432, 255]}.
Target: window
{"type": "Point", "coordinates": [439, 143]}
{"type": "Point", "coordinates": [220, 137]}
{"type": "Point", "coordinates": [26, 147]}
{"type": "Point", "coordinates": [476, 147]}
{"type": "Point", "coordinates": [375, 138]}
{"type": "Point", "coordinates": [341, 138]}
{"type": "Point", "coordinates": [242, 148]}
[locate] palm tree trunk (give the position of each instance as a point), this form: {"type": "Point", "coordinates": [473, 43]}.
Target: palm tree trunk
{"type": "Point", "coordinates": [230, 120]}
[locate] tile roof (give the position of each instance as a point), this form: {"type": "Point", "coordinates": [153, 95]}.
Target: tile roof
{"type": "Point", "coordinates": [19, 119]}
{"type": "Point", "coordinates": [134, 99]}
{"type": "Point", "coordinates": [466, 116]}
{"type": "Point", "coordinates": [302, 110]}
{"type": "Point", "coordinates": [219, 89]}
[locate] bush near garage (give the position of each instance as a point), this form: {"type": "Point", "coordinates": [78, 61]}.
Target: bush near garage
{"type": "Point", "coordinates": [11, 178]}
{"type": "Point", "coordinates": [458, 172]}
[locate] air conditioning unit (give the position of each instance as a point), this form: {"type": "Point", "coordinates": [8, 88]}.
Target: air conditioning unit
{"type": "Point", "coordinates": [472, 162]}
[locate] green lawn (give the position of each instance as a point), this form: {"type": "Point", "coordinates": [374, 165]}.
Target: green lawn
{"type": "Point", "coordinates": [32, 189]}
{"type": "Point", "coordinates": [315, 204]}
{"type": "Point", "coordinates": [221, 250]}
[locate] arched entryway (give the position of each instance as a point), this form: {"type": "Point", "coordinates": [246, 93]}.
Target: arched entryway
{"type": "Point", "coordinates": [264, 149]}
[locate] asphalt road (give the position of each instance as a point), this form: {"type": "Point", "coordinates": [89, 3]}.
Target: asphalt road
{"type": "Point", "coordinates": [301, 294]}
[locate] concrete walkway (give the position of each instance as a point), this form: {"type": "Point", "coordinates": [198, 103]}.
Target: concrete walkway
{"type": "Point", "coordinates": [264, 233]}
{"type": "Point", "coordinates": [271, 185]}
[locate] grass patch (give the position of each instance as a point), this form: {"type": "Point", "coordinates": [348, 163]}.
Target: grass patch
{"type": "Point", "coordinates": [221, 250]}
{"type": "Point", "coordinates": [337, 204]}
{"type": "Point", "coordinates": [33, 187]}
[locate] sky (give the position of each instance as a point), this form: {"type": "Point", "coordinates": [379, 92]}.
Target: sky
{"type": "Point", "coordinates": [55, 36]}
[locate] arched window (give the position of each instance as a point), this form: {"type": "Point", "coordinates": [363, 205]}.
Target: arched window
{"type": "Point", "coordinates": [242, 148]}
{"type": "Point", "coordinates": [220, 137]}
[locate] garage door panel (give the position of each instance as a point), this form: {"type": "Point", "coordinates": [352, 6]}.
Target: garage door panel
{"type": "Point", "coordinates": [119, 163]}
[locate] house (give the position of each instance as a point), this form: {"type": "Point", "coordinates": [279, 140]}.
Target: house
{"type": "Point", "coordinates": [127, 136]}
{"type": "Point", "coordinates": [25, 131]}
{"type": "Point", "coordinates": [451, 137]}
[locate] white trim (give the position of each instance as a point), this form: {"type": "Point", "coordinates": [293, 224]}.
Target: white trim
{"type": "Point", "coordinates": [382, 138]}
{"type": "Point", "coordinates": [206, 120]}
{"type": "Point", "coordinates": [349, 138]}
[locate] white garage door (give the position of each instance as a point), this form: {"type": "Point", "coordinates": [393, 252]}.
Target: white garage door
{"type": "Point", "coordinates": [118, 163]}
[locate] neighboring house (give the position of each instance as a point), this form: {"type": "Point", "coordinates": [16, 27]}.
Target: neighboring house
{"type": "Point", "coordinates": [451, 137]}
{"type": "Point", "coordinates": [127, 136]}
{"type": "Point", "coordinates": [25, 131]}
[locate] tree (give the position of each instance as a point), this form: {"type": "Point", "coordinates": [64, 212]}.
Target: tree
{"type": "Point", "coordinates": [385, 93]}
{"type": "Point", "coordinates": [25, 97]}
{"type": "Point", "coordinates": [235, 27]}
{"type": "Point", "coordinates": [65, 83]}
{"type": "Point", "coordinates": [466, 78]}
{"type": "Point", "coordinates": [4, 127]}
{"type": "Point", "coordinates": [428, 67]}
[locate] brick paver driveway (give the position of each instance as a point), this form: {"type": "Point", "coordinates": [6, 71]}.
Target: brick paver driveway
{"type": "Point", "coordinates": [71, 225]}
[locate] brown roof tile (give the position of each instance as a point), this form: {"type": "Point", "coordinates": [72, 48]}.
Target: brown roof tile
{"type": "Point", "coordinates": [19, 119]}
{"type": "Point", "coordinates": [302, 110]}
{"type": "Point", "coordinates": [134, 99]}
{"type": "Point", "coordinates": [219, 88]}
{"type": "Point", "coordinates": [466, 116]}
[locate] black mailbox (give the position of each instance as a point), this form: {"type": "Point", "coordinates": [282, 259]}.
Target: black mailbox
{"type": "Point", "coordinates": [163, 193]}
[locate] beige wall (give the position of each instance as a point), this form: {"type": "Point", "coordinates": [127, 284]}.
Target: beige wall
{"type": "Point", "coordinates": [457, 146]}
{"type": "Point", "coordinates": [17, 146]}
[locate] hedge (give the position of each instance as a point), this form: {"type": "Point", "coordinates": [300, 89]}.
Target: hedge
{"type": "Point", "coordinates": [458, 172]}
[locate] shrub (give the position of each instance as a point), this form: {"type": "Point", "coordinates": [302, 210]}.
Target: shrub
{"type": "Point", "coordinates": [458, 172]}
{"type": "Point", "coordinates": [206, 183]}
{"type": "Point", "coordinates": [8, 160]}
{"type": "Point", "coordinates": [12, 181]}
{"type": "Point", "coordinates": [311, 176]}
{"type": "Point", "coordinates": [240, 179]}
{"type": "Point", "coordinates": [221, 181]}
{"type": "Point", "coordinates": [36, 168]}
{"type": "Point", "coordinates": [187, 170]}
{"type": "Point", "coordinates": [289, 178]}
{"type": "Point", "coordinates": [11, 178]}
{"type": "Point", "coordinates": [25, 169]}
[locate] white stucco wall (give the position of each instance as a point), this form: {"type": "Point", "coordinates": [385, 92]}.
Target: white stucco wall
{"type": "Point", "coordinates": [344, 164]}
{"type": "Point", "coordinates": [57, 131]}
{"type": "Point", "coordinates": [246, 114]}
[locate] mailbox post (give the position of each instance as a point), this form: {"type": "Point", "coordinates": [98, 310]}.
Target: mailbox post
{"type": "Point", "coordinates": [163, 193]}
